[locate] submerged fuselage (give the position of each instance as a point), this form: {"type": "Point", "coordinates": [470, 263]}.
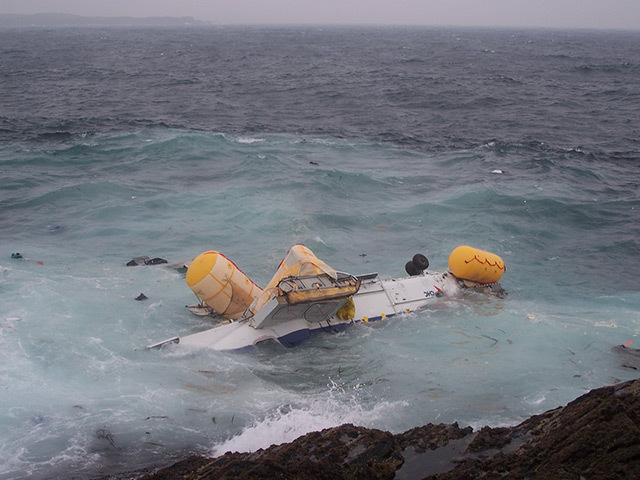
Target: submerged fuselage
{"type": "Point", "coordinates": [306, 295]}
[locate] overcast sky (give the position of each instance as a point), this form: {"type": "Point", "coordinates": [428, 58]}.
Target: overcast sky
{"type": "Point", "coordinates": [532, 13]}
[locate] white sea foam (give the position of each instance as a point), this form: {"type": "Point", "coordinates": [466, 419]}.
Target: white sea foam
{"type": "Point", "coordinates": [286, 423]}
{"type": "Point", "coordinates": [249, 140]}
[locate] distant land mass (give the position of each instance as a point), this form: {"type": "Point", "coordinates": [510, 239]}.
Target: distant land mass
{"type": "Point", "coordinates": [69, 20]}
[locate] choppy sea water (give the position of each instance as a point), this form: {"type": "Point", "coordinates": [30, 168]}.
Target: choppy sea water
{"type": "Point", "coordinates": [366, 145]}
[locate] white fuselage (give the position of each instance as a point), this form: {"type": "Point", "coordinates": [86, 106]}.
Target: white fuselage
{"type": "Point", "coordinates": [376, 299]}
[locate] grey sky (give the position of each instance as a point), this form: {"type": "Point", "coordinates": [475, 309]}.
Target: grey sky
{"type": "Point", "coordinates": [538, 13]}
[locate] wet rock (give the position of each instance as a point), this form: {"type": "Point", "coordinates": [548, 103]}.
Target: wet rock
{"type": "Point", "coordinates": [596, 436]}
{"type": "Point", "coordinates": [629, 357]}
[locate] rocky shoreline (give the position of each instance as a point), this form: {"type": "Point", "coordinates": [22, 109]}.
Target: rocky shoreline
{"type": "Point", "coordinates": [597, 436]}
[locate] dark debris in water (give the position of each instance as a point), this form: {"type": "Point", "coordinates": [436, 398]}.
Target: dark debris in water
{"type": "Point", "coordinates": [57, 229]}
{"type": "Point", "coordinates": [145, 260]}
{"type": "Point", "coordinates": [105, 434]}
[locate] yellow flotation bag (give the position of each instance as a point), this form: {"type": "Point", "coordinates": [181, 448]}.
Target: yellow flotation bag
{"type": "Point", "coordinates": [221, 285]}
{"type": "Point", "coordinates": [476, 265]}
{"type": "Point", "coordinates": [347, 311]}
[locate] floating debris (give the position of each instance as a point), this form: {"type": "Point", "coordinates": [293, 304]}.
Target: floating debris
{"type": "Point", "coordinates": [57, 229]}
{"type": "Point", "coordinates": [156, 261]}
{"type": "Point", "coordinates": [37, 419]}
{"type": "Point", "coordinates": [145, 260]}
{"type": "Point", "coordinates": [105, 434]}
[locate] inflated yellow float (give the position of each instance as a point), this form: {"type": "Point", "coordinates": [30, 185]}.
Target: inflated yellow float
{"type": "Point", "coordinates": [221, 285]}
{"type": "Point", "coordinates": [468, 263]}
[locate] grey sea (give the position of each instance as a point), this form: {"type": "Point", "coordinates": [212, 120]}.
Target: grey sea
{"type": "Point", "coordinates": [367, 145]}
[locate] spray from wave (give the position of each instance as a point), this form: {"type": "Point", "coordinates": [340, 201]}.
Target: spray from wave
{"type": "Point", "coordinates": [286, 422]}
